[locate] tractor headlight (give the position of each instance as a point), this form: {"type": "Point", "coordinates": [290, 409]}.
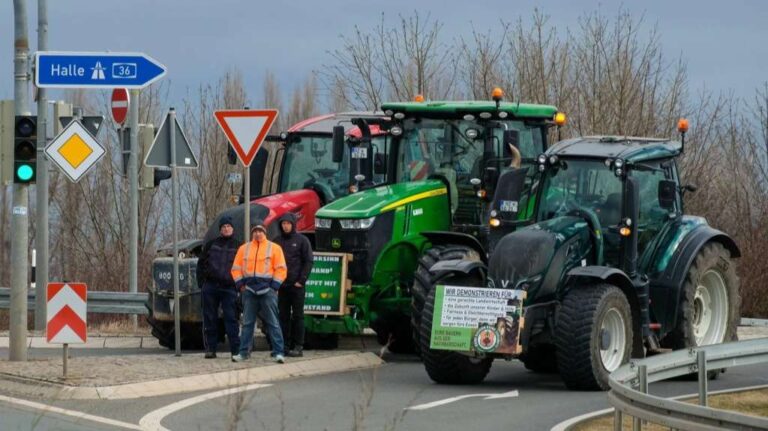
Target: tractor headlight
{"type": "Point", "coordinates": [542, 159]}
{"type": "Point", "coordinates": [357, 224]}
{"type": "Point", "coordinates": [322, 223]}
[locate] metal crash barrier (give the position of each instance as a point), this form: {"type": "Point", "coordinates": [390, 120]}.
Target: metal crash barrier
{"type": "Point", "coordinates": [629, 388]}
{"type": "Point", "coordinates": [98, 301]}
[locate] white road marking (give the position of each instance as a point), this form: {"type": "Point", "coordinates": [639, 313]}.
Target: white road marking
{"type": "Point", "coordinates": [72, 413]}
{"type": "Point", "coordinates": [151, 421]}
{"type": "Point", "coordinates": [510, 394]}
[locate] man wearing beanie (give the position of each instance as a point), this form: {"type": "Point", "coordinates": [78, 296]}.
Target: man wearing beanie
{"type": "Point", "coordinates": [259, 270]}
{"type": "Point", "coordinates": [218, 288]}
{"type": "Point", "coordinates": [298, 256]}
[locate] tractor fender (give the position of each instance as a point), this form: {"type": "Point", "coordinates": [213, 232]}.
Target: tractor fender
{"type": "Point", "coordinates": [666, 289]}
{"type": "Point", "coordinates": [620, 279]}
{"type": "Point", "coordinates": [447, 267]}
{"type": "Point", "coordinates": [443, 237]}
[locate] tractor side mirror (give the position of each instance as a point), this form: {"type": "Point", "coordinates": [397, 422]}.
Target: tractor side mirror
{"type": "Point", "coordinates": [380, 164]}
{"type": "Point", "coordinates": [512, 137]}
{"type": "Point", "coordinates": [338, 144]}
{"type": "Point", "coordinates": [667, 194]}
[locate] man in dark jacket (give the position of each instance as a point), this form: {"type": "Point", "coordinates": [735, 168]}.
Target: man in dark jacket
{"type": "Point", "coordinates": [218, 288]}
{"type": "Point", "coordinates": [298, 258]}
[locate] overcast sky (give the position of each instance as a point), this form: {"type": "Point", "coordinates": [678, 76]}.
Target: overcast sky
{"type": "Point", "coordinates": [725, 43]}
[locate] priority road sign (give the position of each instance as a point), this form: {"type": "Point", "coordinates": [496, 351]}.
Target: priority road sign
{"type": "Point", "coordinates": [74, 151]}
{"type": "Point", "coordinates": [246, 130]}
{"type": "Point", "coordinates": [159, 154]}
{"type": "Point", "coordinates": [67, 306]}
{"type": "Point", "coordinates": [120, 103]}
{"type": "Point", "coordinates": [96, 70]}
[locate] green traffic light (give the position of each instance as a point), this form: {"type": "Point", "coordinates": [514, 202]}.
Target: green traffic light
{"type": "Point", "coordinates": [24, 172]}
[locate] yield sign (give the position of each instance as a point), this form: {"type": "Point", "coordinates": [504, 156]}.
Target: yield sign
{"type": "Point", "coordinates": [246, 130]}
{"type": "Point", "coordinates": [67, 313]}
{"type": "Point", "coordinates": [75, 150]}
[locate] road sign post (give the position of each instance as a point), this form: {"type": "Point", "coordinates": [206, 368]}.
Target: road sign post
{"type": "Point", "coordinates": [41, 214]}
{"type": "Point", "coordinates": [66, 308]}
{"type": "Point", "coordinates": [133, 186]}
{"type": "Point", "coordinates": [246, 129]}
{"type": "Point", "coordinates": [171, 150]}
{"type": "Point", "coordinates": [96, 70]}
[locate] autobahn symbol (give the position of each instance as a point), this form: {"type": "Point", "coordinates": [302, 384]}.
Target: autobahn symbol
{"type": "Point", "coordinates": [66, 308]}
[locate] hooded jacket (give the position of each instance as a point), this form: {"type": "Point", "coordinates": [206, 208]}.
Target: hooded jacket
{"type": "Point", "coordinates": [216, 259]}
{"type": "Point", "coordinates": [297, 250]}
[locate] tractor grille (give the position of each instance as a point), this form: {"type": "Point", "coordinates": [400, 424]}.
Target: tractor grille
{"type": "Point", "coordinates": [364, 245]}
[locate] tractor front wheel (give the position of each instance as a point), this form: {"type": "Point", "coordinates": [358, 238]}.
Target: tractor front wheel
{"type": "Point", "coordinates": [593, 335]}
{"type": "Point", "coordinates": [444, 366]}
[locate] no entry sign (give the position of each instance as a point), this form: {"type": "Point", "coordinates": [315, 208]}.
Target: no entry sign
{"type": "Point", "coordinates": [120, 102]}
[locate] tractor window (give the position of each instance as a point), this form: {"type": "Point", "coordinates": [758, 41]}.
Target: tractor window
{"type": "Point", "coordinates": [582, 185]}
{"type": "Point", "coordinates": [308, 163]}
{"type": "Point", "coordinates": [652, 215]}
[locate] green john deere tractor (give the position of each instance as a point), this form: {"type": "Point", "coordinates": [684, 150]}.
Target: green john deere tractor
{"type": "Point", "coordinates": [609, 268]}
{"type": "Point", "coordinates": [441, 168]}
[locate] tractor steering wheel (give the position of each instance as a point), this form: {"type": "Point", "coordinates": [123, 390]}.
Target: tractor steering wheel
{"type": "Point", "coordinates": [595, 229]}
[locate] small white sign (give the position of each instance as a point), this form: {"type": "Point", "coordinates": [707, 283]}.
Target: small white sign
{"type": "Point", "coordinates": [19, 210]}
{"type": "Point", "coordinates": [359, 153]}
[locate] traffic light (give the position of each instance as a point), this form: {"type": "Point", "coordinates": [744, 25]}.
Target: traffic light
{"type": "Point", "coordinates": [25, 149]}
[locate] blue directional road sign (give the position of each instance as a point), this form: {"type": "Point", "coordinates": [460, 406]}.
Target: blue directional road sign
{"type": "Point", "coordinates": [96, 70]}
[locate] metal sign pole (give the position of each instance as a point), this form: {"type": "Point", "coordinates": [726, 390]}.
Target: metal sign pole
{"type": "Point", "coordinates": [133, 184]}
{"type": "Point", "coordinates": [66, 354]}
{"type": "Point", "coordinates": [41, 232]}
{"type": "Point", "coordinates": [247, 199]}
{"type": "Point", "coordinates": [174, 197]}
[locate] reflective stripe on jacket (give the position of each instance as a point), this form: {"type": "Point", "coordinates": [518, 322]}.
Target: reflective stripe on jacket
{"type": "Point", "coordinates": [262, 259]}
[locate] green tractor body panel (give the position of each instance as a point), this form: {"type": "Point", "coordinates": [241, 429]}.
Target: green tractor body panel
{"type": "Point", "coordinates": [658, 256]}
{"type": "Point", "coordinates": [452, 109]}
{"type": "Point", "coordinates": [372, 202]}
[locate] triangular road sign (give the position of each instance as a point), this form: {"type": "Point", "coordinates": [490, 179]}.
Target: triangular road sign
{"type": "Point", "coordinates": [246, 130]}
{"type": "Point", "coordinates": [159, 154]}
{"type": "Point", "coordinates": [92, 123]}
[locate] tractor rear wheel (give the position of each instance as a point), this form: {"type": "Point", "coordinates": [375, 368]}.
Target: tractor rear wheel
{"type": "Point", "coordinates": [423, 282]}
{"type": "Point", "coordinates": [708, 312]}
{"type": "Point", "coordinates": [444, 366]}
{"type": "Point", "coordinates": [593, 335]}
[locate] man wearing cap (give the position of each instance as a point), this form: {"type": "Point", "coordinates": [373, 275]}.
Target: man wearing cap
{"type": "Point", "coordinates": [259, 270]}
{"type": "Point", "coordinates": [218, 288]}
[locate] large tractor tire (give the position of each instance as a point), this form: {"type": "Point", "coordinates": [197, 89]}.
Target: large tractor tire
{"type": "Point", "coordinates": [423, 282]}
{"type": "Point", "coordinates": [709, 307]}
{"type": "Point", "coordinates": [444, 366]}
{"type": "Point", "coordinates": [593, 335]}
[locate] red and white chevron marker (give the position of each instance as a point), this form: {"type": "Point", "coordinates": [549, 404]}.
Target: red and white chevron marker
{"type": "Point", "coordinates": [67, 313]}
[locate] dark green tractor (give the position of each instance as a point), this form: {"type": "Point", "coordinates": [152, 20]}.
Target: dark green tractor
{"type": "Point", "coordinates": [440, 167]}
{"type": "Point", "coordinates": [609, 266]}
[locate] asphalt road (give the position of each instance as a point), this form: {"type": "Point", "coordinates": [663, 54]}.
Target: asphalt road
{"type": "Point", "coordinates": [372, 400]}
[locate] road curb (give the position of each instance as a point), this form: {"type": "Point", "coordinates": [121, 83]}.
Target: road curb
{"type": "Point", "coordinates": [221, 380]}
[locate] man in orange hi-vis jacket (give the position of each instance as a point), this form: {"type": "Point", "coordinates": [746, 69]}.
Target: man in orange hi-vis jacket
{"type": "Point", "coordinates": [259, 270]}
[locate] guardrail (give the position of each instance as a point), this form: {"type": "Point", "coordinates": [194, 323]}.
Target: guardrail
{"type": "Point", "coordinates": [629, 388]}
{"type": "Point", "coordinates": [98, 301]}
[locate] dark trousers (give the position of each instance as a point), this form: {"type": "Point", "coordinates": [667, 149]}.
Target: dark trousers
{"type": "Point", "coordinates": [291, 304]}
{"type": "Point", "coordinates": [215, 296]}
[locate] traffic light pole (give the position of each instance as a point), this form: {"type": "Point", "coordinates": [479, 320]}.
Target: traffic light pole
{"type": "Point", "coordinates": [41, 212]}
{"type": "Point", "coordinates": [20, 219]}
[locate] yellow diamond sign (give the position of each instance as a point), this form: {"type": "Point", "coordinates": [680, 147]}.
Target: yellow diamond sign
{"type": "Point", "coordinates": [74, 151]}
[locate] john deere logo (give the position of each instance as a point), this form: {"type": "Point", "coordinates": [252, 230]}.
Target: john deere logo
{"type": "Point", "coordinates": [335, 243]}
{"type": "Point", "coordinates": [486, 339]}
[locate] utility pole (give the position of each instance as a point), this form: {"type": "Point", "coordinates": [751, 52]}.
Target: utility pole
{"type": "Point", "coordinates": [20, 217]}
{"type": "Point", "coordinates": [133, 183]}
{"type": "Point", "coordinates": [41, 234]}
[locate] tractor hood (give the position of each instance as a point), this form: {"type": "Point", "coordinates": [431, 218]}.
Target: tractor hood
{"type": "Point", "coordinates": [537, 257]}
{"type": "Point", "coordinates": [372, 202]}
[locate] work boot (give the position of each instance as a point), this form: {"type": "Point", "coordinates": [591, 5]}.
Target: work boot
{"type": "Point", "coordinates": [297, 352]}
{"type": "Point", "coordinates": [210, 355]}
